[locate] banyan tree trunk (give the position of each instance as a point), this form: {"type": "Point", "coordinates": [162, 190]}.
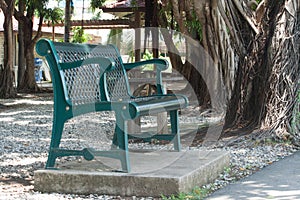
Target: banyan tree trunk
{"type": "Point", "coordinates": [265, 94]}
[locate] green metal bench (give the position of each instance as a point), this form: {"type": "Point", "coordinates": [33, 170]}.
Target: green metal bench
{"type": "Point", "coordinates": [92, 78]}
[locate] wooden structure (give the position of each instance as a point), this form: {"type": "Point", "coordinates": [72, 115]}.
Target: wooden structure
{"type": "Point", "coordinates": [102, 24]}
{"type": "Point", "coordinates": [129, 17]}
{"type": "Point", "coordinates": [124, 8]}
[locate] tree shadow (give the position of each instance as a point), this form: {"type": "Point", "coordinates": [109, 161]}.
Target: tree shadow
{"type": "Point", "coordinates": [16, 180]}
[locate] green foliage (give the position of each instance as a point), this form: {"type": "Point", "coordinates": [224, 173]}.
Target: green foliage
{"type": "Point", "coordinates": [147, 56]}
{"type": "Point", "coordinates": [97, 4]}
{"type": "Point", "coordinates": [78, 35]}
{"type": "Point", "coordinates": [167, 11]}
{"type": "Point", "coordinates": [227, 170]}
{"type": "Point", "coordinates": [114, 37]}
{"type": "Point", "coordinates": [196, 194]}
{"type": "Point", "coordinates": [33, 6]}
{"type": "Point", "coordinates": [295, 121]}
{"type": "Point", "coordinates": [298, 102]}
{"type": "Point", "coordinates": [192, 23]}
{"type": "Point", "coordinates": [133, 3]}
{"type": "Point", "coordinates": [255, 4]}
{"type": "Point", "coordinates": [53, 16]}
{"type": "Point", "coordinates": [97, 16]}
{"type": "Point", "coordinates": [253, 7]}
{"type": "Point", "coordinates": [194, 26]}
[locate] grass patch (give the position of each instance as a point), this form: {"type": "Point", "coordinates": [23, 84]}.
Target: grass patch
{"type": "Point", "coordinates": [196, 194]}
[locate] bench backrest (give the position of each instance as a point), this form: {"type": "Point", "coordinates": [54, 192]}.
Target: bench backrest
{"type": "Point", "coordinates": [81, 85]}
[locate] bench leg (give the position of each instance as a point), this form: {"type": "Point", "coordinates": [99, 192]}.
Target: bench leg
{"type": "Point", "coordinates": [175, 129]}
{"type": "Point", "coordinates": [57, 130]}
{"type": "Point", "coordinates": [121, 139]}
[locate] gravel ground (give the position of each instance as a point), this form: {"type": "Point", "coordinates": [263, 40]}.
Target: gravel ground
{"type": "Point", "coordinates": [25, 131]}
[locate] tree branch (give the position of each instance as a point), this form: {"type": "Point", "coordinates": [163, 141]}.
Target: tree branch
{"type": "Point", "coordinates": [39, 31]}
{"type": "Point", "coordinates": [3, 6]}
{"type": "Point", "coordinates": [248, 19]}
{"type": "Point", "coordinates": [178, 16]}
{"type": "Point", "coordinates": [19, 15]}
{"type": "Point", "coordinates": [239, 46]}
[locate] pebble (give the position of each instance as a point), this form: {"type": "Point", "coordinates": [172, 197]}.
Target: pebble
{"type": "Point", "coordinates": [25, 133]}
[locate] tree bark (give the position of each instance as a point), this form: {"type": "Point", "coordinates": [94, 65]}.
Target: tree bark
{"type": "Point", "coordinates": [188, 69]}
{"type": "Point", "coordinates": [254, 56]}
{"type": "Point", "coordinates": [67, 20]}
{"type": "Point", "coordinates": [28, 83]}
{"type": "Point", "coordinates": [284, 51]}
{"type": "Point", "coordinates": [6, 74]}
{"type": "Point", "coordinates": [21, 51]}
{"type": "Point", "coordinates": [268, 78]}
{"type": "Point", "coordinates": [220, 42]}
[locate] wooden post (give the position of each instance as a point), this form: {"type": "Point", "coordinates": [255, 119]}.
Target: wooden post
{"type": "Point", "coordinates": [134, 126]}
{"type": "Point", "coordinates": [162, 121]}
{"type": "Point", "coordinates": [162, 118]}
{"type": "Point", "coordinates": [137, 30]}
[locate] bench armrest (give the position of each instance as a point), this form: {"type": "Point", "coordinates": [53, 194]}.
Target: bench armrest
{"type": "Point", "coordinates": [161, 65]}
{"type": "Point", "coordinates": [106, 64]}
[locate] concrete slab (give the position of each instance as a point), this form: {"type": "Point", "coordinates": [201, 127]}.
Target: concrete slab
{"type": "Point", "coordinates": [152, 174]}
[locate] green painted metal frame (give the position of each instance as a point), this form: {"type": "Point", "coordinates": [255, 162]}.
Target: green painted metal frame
{"type": "Point", "coordinates": [125, 110]}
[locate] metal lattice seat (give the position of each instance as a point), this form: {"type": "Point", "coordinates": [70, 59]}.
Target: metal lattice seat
{"type": "Point", "coordinates": [88, 78]}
